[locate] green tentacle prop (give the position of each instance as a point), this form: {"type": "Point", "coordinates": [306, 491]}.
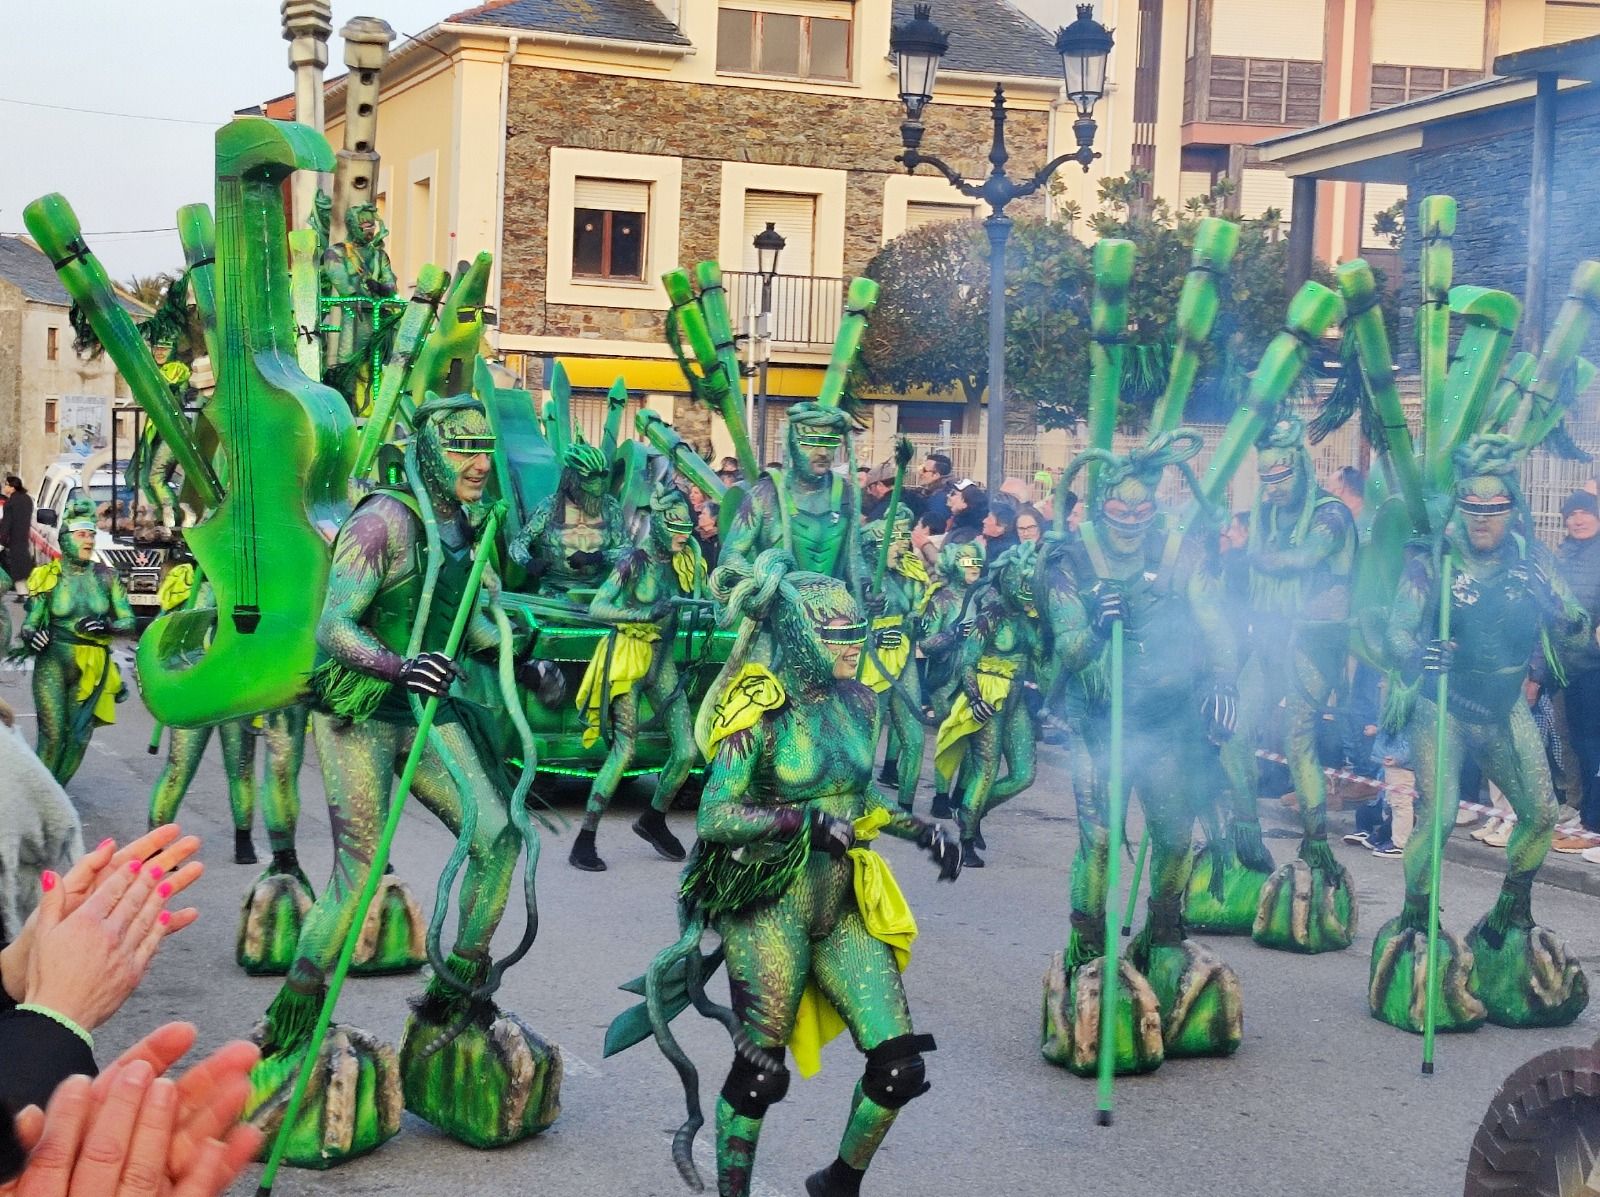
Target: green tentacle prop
{"type": "Point", "coordinates": [1437, 216]}
{"type": "Point", "coordinates": [664, 439]}
{"type": "Point", "coordinates": [380, 861]}
{"type": "Point", "coordinates": [1215, 243]}
{"type": "Point", "coordinates": [1491, 319]}
{"type": "Point", "coordinates": [1510, 393]}
{"type": "Point", "coordinates": [409, 339]}
{"type": "Point", "coordinates": [859, 301]}
{"type": "Point", "coordinates": [713, 300]}
{"type": "Point", "coordinates": [198, 234]}
{"type": "Point", "coordinates": [903, 452]}
{"type": "Point", "coordinates": [1571, 329]}
{"type": "Point", "coordinates": [1108, 318]}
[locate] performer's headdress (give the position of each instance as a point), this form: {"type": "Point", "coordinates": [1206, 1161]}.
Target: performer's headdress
{"type": "Point", "coordinates": [1137, 473]}
{"type": "Point", "coordinates": [813, 425]}
{"type": "Point", "coordinates": [79, 516]}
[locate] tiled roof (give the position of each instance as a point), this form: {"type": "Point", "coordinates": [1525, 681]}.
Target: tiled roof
{"type": "Point", "coordinates": [990, 37]}
{"type": "Point", "coordinates": [623, 20]}
{"type": "Point", "coordinates": [23, 264]}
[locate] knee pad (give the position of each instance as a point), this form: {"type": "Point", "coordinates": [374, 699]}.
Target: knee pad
{"type": "Point", "coordinates": [895, 1071]}
{"type": "Point", "coordinates": [751, 1088]}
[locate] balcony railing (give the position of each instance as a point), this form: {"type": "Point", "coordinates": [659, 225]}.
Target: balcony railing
{"type": "Point", "coordinates": [806, 309]}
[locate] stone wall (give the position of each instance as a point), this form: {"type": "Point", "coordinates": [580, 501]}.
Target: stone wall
{"type": "Point", "coordinates": [706, 126]}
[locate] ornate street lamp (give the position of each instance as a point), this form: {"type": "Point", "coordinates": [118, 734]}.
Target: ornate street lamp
{"type": "Point", "coordinates": [1084, 46]}
{"type": "Point", "coordinates": [769, 244]}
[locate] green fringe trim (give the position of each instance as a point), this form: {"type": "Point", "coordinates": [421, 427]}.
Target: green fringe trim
{"type": "Point", "coordinates": [717, 882]}
{"type": "Point", "coordinates": [1250, 849]}
{"type": "Point", "coordinates": [1399, 704]}
{"type": "Point", "coordinates": [1319, 856]}
{"type": "Point", "coordinates": [1414, 914]}
{"type": "Point", "coordinates": [290, 1020]}
{"type": "Point", "coordinates": [345, 692]}
{"type": "Point", "coordinates": [1513, 909]}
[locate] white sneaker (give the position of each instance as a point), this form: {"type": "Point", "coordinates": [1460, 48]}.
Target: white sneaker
{"type": "Point", "coordinates": [1500, 836]}
{"type": "Point", "coordinates": [1482, 834]}
{"type": "Point", "coordinates": [1465, 816]}
{"type": "Point", "coordinates": [1592, 855]}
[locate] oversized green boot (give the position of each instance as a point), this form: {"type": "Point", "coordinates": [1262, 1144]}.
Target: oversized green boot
{"type": "Point", "coordinates": [480, 1075]}
{"type": "Point", "coordinates": [1396, 991]}
{"type": "Point", "coordinates": [1070, 1035]}
{"type": "Point", "coordinates": [352, 1103]}
{"type": "Point", "coordinates": [1225, 883]}
{"type": "Point", "coordinates": [1202, 1007]}
{"type": "Point", "coordinates": [394, 935]}
{"type": "Point", "coordinates": [274, 909]}
{"type": "Point", "coordinates": [1309, 905]}
{"type": "Point", "coordinates": [1524, 974]}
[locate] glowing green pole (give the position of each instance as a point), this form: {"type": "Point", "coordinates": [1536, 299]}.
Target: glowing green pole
{"type": "Point", "coordinates": [1110, 963]}
{"type": "Point", "coordinates": [1138, 876]}
{"type": "Point", "coordinates": [903, 452]}
{"type": "Point", "coordinates": [1430, 1012]}
{"type": "Point", "coordinates": [380, 861]}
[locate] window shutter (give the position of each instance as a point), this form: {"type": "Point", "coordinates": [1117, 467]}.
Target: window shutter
{"type": "Point", "coordinates": [611, 195]}
{"type": "Point", "coordinates": [1262, 29]}
{"type": "Point", "coordinates": [1193, 184]}
{"type": "Point", "coordinates": [794, 218]}
{"type": "Point", "coordinates": [1263, 189]}
{"type": "Point", "coordinates": [919, 214]}
{"type": "Point", "coordinates": [1433, 33]}
{"type": "Point", "coordinates": [1569, 22]}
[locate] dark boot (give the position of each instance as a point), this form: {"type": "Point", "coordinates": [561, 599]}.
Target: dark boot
{"type": "Point", "coordinates": [941, 807]}
{"type": "Point", "coordinates": [652, 828]}
{"type": "Point", "coordinates": [838, 1179]}
{"type": "Point", "coordinates": [889, 775]}
{"type": "Point", "coordinates": [287, 861]}
{"type": "Point", "coordinates": [244, 848]}
{"type": "Point", "coordinates": [969, 855]}
{"type": "Point", "coordinates": [977, 838]}
{"type": "Point", "coordinates": [583, 856]}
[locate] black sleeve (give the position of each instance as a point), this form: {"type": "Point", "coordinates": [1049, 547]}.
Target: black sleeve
{"type": "Point", "coordinates": [39, 1054]}
{"type": "Point", "coordinates": [12, 1157]}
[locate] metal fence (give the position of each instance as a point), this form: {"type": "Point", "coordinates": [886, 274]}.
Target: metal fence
{"type": "Point", "coordinates": [806, 309]}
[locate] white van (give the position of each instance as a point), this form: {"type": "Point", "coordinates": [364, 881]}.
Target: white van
{"type": "Point", "coordinates": [140, 567]}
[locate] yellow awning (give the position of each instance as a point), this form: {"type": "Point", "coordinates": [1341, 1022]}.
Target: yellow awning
{"type": "Point", "coordinates": [644, 375]}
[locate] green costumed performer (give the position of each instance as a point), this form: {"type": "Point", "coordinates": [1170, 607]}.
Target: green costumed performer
{"type": "Point", "coordinates": [806, 507]}
{"type": "Point", "coordinates": [356, 268]}
{"type": "Point", "coordinates": [635, 662]}
{"type": "Point", "coordinates": [1506, 602]}
{"type": "Point", "coordinates": [74, 606]}
{"type": "Point", "coordinates": [890, 671]}
{"type": "Point", "coordinates": [1132, 566]}
{"type": "Point", "coordinates": [401, 564]}
{"type": "Point", "coordinates": [989, 720]}
{"type": "Point", "coordinates": [571, 541]}
{"type": "Point", "coordinates": [946, 626]}
{"type": "Point", "coordinates": [1302, 555]}
{"type": "Point", "coordinates": [814, 929]}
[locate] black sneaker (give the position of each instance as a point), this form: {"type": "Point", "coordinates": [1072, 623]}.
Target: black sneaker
{"type": "Point", "coordinates": [1389, 850]}
{"type": "Point", "coordinates": [969, 856]}
{"type": "Point", "coordinates": [244, 848]}
{"type": "Point", "coordinates": [583, 856]}
{"type": "Point", "coordinates": [1361, 839]}
{"type": "Point", "coordinates": [652, 828]}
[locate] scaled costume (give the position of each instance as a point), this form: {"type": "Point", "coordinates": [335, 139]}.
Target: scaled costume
{"type": "Point", "coordinates": [356, 268]}
{"type": "Point", "coordinates": [890, 669]}
{"type": "Point", "coordinates": [572, 540]}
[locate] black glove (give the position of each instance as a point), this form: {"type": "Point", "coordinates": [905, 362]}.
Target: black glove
{"type": "Point", "coordinates": [428, 674]}
{"type": "Point", "coordinates": [586, 559]}
{"type": "Point", "coordinates": [982, 711]}
{"type": "Point", "coordinates": [546, 681]}
{"type": "Point", "coordinates": [877, 604]}
{"type": "Point", "coordinates": [1106, 607]}
{"type": "Point", "coordinates": [831, 835]}
{"type": "Point", "coordinates": [38, 639]}
{"type": "Point", "coordinates": [536, 568]}
{"type": "Point", "coordinates": [93, 625]}
{"type": "Point", "coordinates": [1221, 712]}
{"type": "Point", "coordinates": [1033, 699]}
{"type": "Point", "coordinates": [891, 638]}
{"type": "Point", "coordinates": [1437, 657]}
{"type": "Point", "coordinates": [944, 849]}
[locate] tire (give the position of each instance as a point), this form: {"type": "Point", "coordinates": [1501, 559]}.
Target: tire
{"type": "Point", "coordinates": [1541, 1135]}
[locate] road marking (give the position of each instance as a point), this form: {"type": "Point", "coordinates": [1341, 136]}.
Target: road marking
{"type": "Point", "coordinates": [572, 1065]}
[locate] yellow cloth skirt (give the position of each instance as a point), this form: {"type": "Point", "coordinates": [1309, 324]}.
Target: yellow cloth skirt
{"type": "Point", "coordinates": [994, 684]}
{"type": "Point", "coordinates": [893, 659]}
{"type": "Point", "coordinates": [93, 661]}
{"type": "Point", "coordinates": [631, 649]}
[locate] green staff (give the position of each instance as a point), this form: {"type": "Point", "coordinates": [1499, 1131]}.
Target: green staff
{"type": "Point", "coordinates": [1133, 890]}
{"type": "Point", "coordinates": [1430, 1010]}
{"type": "Point", "coordinates": [1111, 961]}
{"type": "Point", "coordinates": [903, 451]}
{"type": "Point", "coordinates": [380, 858]}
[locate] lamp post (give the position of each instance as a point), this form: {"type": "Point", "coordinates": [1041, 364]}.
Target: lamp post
{"type": "Point", "coordinates": [918, 45]}
{"type": "Point", "coordinates": [769, 244]}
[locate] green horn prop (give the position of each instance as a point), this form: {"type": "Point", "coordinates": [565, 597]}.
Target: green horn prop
{"type": "Point", "coordinates": [54, 226]}
{"type": "Point", "coordinates": [859, 301]}
{"type": "Point", "coordinates": [665, 440]}
{"type": "Point", "coordinates": [409, 340]}
{"type": "Point", "coordinates": [197, 233]}
{"type": "Point", "coordinates": [1509, 392]}
{"type": "Point", "coordinates": [1108, 324]}
{"type": "Point", "coordinates": [1312, 311]}
{"type": "Point", "coordinates": [1491, 322]}
{"type": "Point", "coordinates": [1215, 243]}
{"type": "Point", "coordinates": [714, 303]}
{"type": "Point", "coordinates": [1437, 215]}
{"type": "Point", "coordinates": [305, 297]}
{"type": "Point", "coordinates": [380, 859]}
{"type": "Point", "coordinates": [692, 343]}
{"type": "Point", "coordinates": [444, 366]}
{"type": "Point", "coordinates": [1567, 336]}
{"type": "Point", "coordinates": [1365, 324]}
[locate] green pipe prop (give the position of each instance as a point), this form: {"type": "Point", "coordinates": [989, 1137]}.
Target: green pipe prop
{"type": "Point", "coordinates": [616, 405]}
{"type": "Point", "coordinates": [903, 452]}
{"type": "Point", "coordinates": [409, 339]}
{"type": "Point", "coordinates": [1111, 962]}
{"type": "Point", "coordinates": [305, 298]}
{"type": "Point", "coordinates": [859, 301]}
{"type": "Point", "coordinates": [380, 859]}
{"type": "Point", "coordinates": [1561, 347]}
{"type": "Point", "coordinates": [1108, 325]}
{"type": "Point", "coordinates": [662, 437]}
{"type": "Point", "coordinates": [1437, 216]}
{"type": "Point", "coordinates": [1133, 888]}
{"type": "Point", "coordinates": [1491, 319]}
{"type": "Point", "coordinates": [692, 343]}
{"type": "Point", "coordinates": [54, 227]}
{"type": "Point", "coordinates": [1509, 392]}
{"type": "Point", "coordinates": [197, 233]}
{"type": "Point", "coordinates": [1365, 323]}
{"type": "Point", "coordinates": [1430, 1008]}
{"type": "Point", "coordinates": [444, 364]}
{"type": "Point", "coordinates": [713, 301]}
{"type": "Point", "coordinates": [1215, 243]}
{"type": "Point", "coordinates": [1312, 312]}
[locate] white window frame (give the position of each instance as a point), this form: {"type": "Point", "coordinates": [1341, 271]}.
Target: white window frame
{"type": "Point", "coordinates": [664, 176]}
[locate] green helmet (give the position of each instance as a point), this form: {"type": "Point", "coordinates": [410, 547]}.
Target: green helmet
{"type": "Point", "coordinates": [584, 460]}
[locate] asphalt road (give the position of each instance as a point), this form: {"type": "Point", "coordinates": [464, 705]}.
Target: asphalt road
{"type": "Point", "coordinates": [1320, 1098]}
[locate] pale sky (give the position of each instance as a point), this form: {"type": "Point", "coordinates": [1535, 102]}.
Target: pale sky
{"type": "Point", "coordinates": [183, 60]}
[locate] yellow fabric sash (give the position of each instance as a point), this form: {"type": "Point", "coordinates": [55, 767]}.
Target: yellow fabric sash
{"type": "Point", "coordinates": [42, 579]}
{"type": "Point", "coordinates": [176, 587]}
{"type": "Point", "coordinates": [753, 692]}
{"type": "Point", "coordinates": [893, 659]}
{"type": "Point", "coordinates": [912, 566]}
{"type": "Point", "coordinates": [994, 683]}
{"type": "Point", "coordinates": [689, 567]}
{"type": "Point", "coordinates": [92, 660]}
{"type": "Point", "coordinates": [888, 917]}
{"type": "Point", "coordinates": [631, 650]}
